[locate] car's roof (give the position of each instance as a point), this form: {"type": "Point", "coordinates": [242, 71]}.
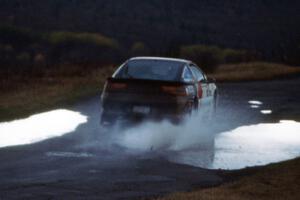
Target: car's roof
{"type": "Point", "coordinates": [160, 58]}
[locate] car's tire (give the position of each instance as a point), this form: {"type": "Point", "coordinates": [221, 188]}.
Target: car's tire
{"type": "Point", "coordinates": [105, 121]}
{"type": "Point", "coordinates": [195, 109]}
{"type": "Point", "coordinates": [190, 112]}
{"type": "Point", "coordinates": [215, 103]}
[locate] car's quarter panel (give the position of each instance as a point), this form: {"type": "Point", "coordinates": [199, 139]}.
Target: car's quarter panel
{"type": "Point", "coordinates": [205, 100]}
{"type": "Point", "coordinates": [202, 86]}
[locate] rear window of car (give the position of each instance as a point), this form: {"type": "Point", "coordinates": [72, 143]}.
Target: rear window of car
{"type": "Point", "coordinates": [151, 70]}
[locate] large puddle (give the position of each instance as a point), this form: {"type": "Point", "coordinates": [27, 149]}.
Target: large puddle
{"type": "Point", "coordinates": [248, 146]}
{"type": "Point", "coordinates": [257, 145]}
{"type": "Point", "coordinates": [39, 127]}
{"type": "Point", "coordinates": [245, 146]}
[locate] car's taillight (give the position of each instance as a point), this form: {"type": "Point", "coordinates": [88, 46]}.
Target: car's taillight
{"type": "Point", "coordinates": [116, 86]}
{"type": "Point", "coordinates": [175, 90]}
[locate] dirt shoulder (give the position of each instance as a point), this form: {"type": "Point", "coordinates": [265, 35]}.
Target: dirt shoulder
{"type": "Point", "coordinates": [22, 95]}
{"type": "Point", "coordinates": [275, 181]}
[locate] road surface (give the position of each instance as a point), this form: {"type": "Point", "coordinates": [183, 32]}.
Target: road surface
{"type": "Point", "coordinates": [87, 164]}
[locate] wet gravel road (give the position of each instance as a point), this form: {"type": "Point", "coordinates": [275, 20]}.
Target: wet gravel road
{"type": "Point", "coordinates": [86, 164]}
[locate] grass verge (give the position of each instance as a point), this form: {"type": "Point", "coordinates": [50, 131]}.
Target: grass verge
{"type": "Point", "coordinates": [275, 181]}
{"type": "Point", "coordinates": [254, 71]}
{"type": "Point", "coordinates": [22, 95]}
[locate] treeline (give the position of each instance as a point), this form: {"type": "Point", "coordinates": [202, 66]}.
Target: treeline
{"type": "Point", "coordinates": [209, 57]}
{"type": "Point", "coordinates": [25, 50]}
{"type": "Point", "coordinates": [270, 27]}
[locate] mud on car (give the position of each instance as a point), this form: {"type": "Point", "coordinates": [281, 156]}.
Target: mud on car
{"type": "Point", "coordinates": [155, 88]}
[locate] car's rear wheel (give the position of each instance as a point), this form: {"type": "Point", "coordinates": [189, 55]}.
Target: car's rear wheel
{"type": "Point", "coordinates": [215, 103]}
{"type": "Point", "coordinates": [190, 110]}
{"type": "Point", "coordinates": [193, 108]}
{"type": "Point", "coordinates": [105, 120]}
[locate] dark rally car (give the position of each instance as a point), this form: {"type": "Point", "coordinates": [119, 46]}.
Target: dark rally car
{"type": "Point", "coordinates": [155, 89]}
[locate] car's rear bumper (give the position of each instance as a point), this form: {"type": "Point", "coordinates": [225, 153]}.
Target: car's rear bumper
{"type": "Point", "coordinates": [121, 109]}
{"type": "Point", "coordinates": [130, 118]}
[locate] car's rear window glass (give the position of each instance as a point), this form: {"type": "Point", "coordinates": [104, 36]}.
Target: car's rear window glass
{"type": "Point", "coordinates": [151, 70]}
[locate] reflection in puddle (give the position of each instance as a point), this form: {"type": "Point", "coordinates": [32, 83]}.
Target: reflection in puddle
{"type": "Point", "coordinates": [257, 145]}
{"type": "Point", "coordinates": [39, 127]}
{"type": "Point", "coordinates": [266, 112]}
{"type": "Point", "coordinates": [247, 146]}
{"type": "Point", "coordinates": [69, 155]}
{"type": "Point", "coordinates": [255, 102]}
{"type": "Point", "coordinates": [254, 106]}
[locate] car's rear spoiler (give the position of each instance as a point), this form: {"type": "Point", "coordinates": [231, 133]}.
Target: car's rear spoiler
{"type": "Point", "coordinates": [145, 81]}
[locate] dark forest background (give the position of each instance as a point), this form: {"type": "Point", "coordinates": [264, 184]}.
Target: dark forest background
{"type": "Point", "coordinates": [35, 33]}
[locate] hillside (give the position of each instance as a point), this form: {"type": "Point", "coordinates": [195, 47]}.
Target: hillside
{"type": "Point", "coordinates": [270, 27]}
